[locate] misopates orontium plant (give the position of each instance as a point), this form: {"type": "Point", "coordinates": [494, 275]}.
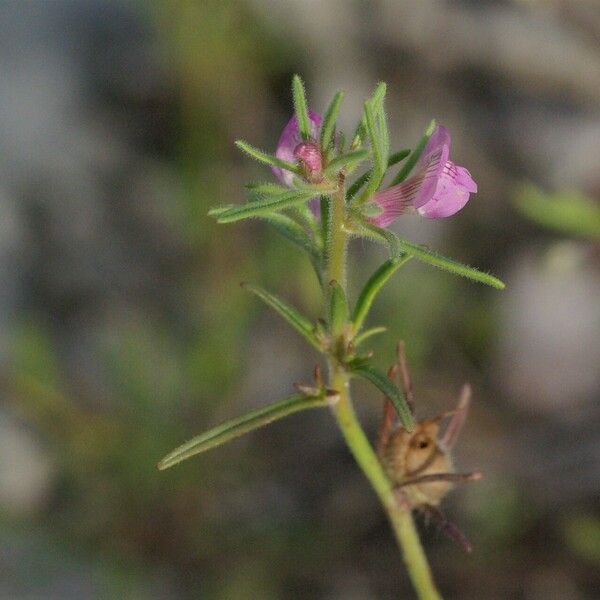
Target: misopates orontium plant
{"type": "Point", "coordinates": [320, 211]}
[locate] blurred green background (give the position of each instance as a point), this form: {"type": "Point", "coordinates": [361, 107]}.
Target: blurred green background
{"type": "Point", "coordinates": [123, 330]}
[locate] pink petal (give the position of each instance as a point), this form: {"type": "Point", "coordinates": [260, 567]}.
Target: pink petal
{"type": "Point", "coordinates": [393, 202]}
{"type": "Point", "coordinates": [451, 194]}
{"type": "Point", "coordinates": [437, 188]}
{"type": "Point", "coordinates": [430, 165]}
{"type": "Point", "coordinates": [289, 140]}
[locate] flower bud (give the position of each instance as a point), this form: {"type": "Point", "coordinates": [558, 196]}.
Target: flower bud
{"type": "Point", "coordinates": [309, 153]}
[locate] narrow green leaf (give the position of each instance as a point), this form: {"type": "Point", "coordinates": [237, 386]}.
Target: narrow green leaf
{"type": "Point", "coordinates": [348, 161]}
{"type": "Point", "coordinates": [398, 245]}
{"type": "Point", "coordinates": [329, 120]}
{"type": "Point", "coordinates": [376, 125]}
{"type": "Point", "coordinates": [407, 167]}
{"type": "Point", "coordinates": [338, 308]}
{"type": "Point", "coordinates": [357, 185]}
{"type": "Point", "coordinates": [568, 212]}
{"type": "Point", "coordinates": [267, 159]}
{"type": "Point", "coordinates": [268, 204]}
{"type": "Point", "coordinates": [241, 425]}
{"type": "Point", "coordinates": [301, 107]}
{"type": "Point", "coordinates": [215, 211]}
{"type": "Point", "coordinates": [378, 170]}
{"type": "Point", "coordinates": [378, 95]}
{"type": "Point", "coordinates": [389, 388]}
{"type": "Point", "coordinates": [266, 189]}
{"type": "Point", "coordinates": [378, 102]}
{"type": "Point", "coordinates": [299, 322]}
{"type": "Point", "coordinates": [373, 287]}
{"type": "Point", "coordinates": [397, 157]}
{"type": "Point", "coordinates": [366, 334]}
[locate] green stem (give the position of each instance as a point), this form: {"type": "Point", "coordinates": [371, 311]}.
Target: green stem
{"type": "Point", "coordinates": [400, 517]}
{"type": "Point", "coordinates": [337, 241]}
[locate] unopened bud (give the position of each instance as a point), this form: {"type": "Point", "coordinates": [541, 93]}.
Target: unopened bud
{"type": "Point", "coordinates": [310, 155]}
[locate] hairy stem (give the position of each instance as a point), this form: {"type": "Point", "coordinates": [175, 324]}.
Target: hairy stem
{"type": "Point", "coordinates": [400, 517]}
{"type": "Point", "coordinates": [337, 239]}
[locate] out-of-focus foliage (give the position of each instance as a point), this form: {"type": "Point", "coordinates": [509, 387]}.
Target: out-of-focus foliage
{"type": "Point", "coordinates": [570, 213]}
{"type": "Point", "coordinates": [123, 330]}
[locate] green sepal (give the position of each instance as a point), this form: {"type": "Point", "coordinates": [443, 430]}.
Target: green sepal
{"type": "Point", "coordinates": [414, 156]}
{"type": "Point", "coordinates": [391, 391]}
{"type": "Point", "coordinates": [338, 308]}
{"type": "Point", "coordinates": [300, 107]}
{"type": "Point", "coordinates": [241, 425]}
{"type": "Point", "coordinates": [568, 212]}
{"type": "Point", "coordinates": [373, 287]}
{"type": "Point", "coordinates": [299, 322]}
{"type": "Point", "coordinates": [348, 161]}
{"type": "Point", "coordinates": [393, 160]}
{"type": "Point", "coordinates": [400, 246]}
{"type": "Point", "coordinates": [268, 204]}
{"type": "Point", "coordinates": [329, 120]}
{"type": "Point", "coordinates": [267, 159]}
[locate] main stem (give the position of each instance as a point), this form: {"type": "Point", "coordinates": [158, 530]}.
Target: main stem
{"type": "Point", "coordinates": [400, 517]}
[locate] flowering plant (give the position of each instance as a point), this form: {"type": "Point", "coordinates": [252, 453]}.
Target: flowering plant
{"type": "Point", "coordinates": [315, 209]}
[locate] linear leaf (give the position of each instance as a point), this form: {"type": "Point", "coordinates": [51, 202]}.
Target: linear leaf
{"type": "Point", "coordinates": [389, 388]}
{"type": "Point", "coordinates": [267, 159]}
{"type": "Point", "coordinates": [407, 167]}
{"type": "Point", "coordinates": [367, 333]}
{"type": "Point", "coordinates": [378, 95]}
{"type": "Point", "coordinates": [373, 287]}
{"type": "Point", "coordinates": [329, 120]}
{"type": "Point", "coordinates": [300, 107]}
{"type": "Point", "coordinates": [267, 205]}
{"type": "Point", "coordinates": [378, 100]}
{"type": "Point", "coordinates": [244, 424]}
{"type": "Point", "coordinates": [266, 189]}
{"type": "Point", "coordinates": [299, 322]}
{"type": "Point", "coordinates": [348, 161]}
{"type": "Point", "coordinates": [398, 245]}
{"type": "Point", "coordinates": [394, 159]}
{"type": "Point", "coordinates": [377, 140]}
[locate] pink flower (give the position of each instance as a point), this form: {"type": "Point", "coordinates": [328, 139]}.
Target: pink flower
{"type": "Point", "coordinates": [291, 147]}
{"type": "Point", "coordinates": [438, 188]}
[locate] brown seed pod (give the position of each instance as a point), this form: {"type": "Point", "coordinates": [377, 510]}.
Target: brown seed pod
{"type": "Point", "coordinates": [418, 463]}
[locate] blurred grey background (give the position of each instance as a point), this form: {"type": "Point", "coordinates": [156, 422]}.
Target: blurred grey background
{"type": "Point", "coordinates": [123, 330]}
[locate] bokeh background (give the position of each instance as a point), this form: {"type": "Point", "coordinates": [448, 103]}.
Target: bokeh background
{"type": "Point", "coordinates": [123, 330]}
